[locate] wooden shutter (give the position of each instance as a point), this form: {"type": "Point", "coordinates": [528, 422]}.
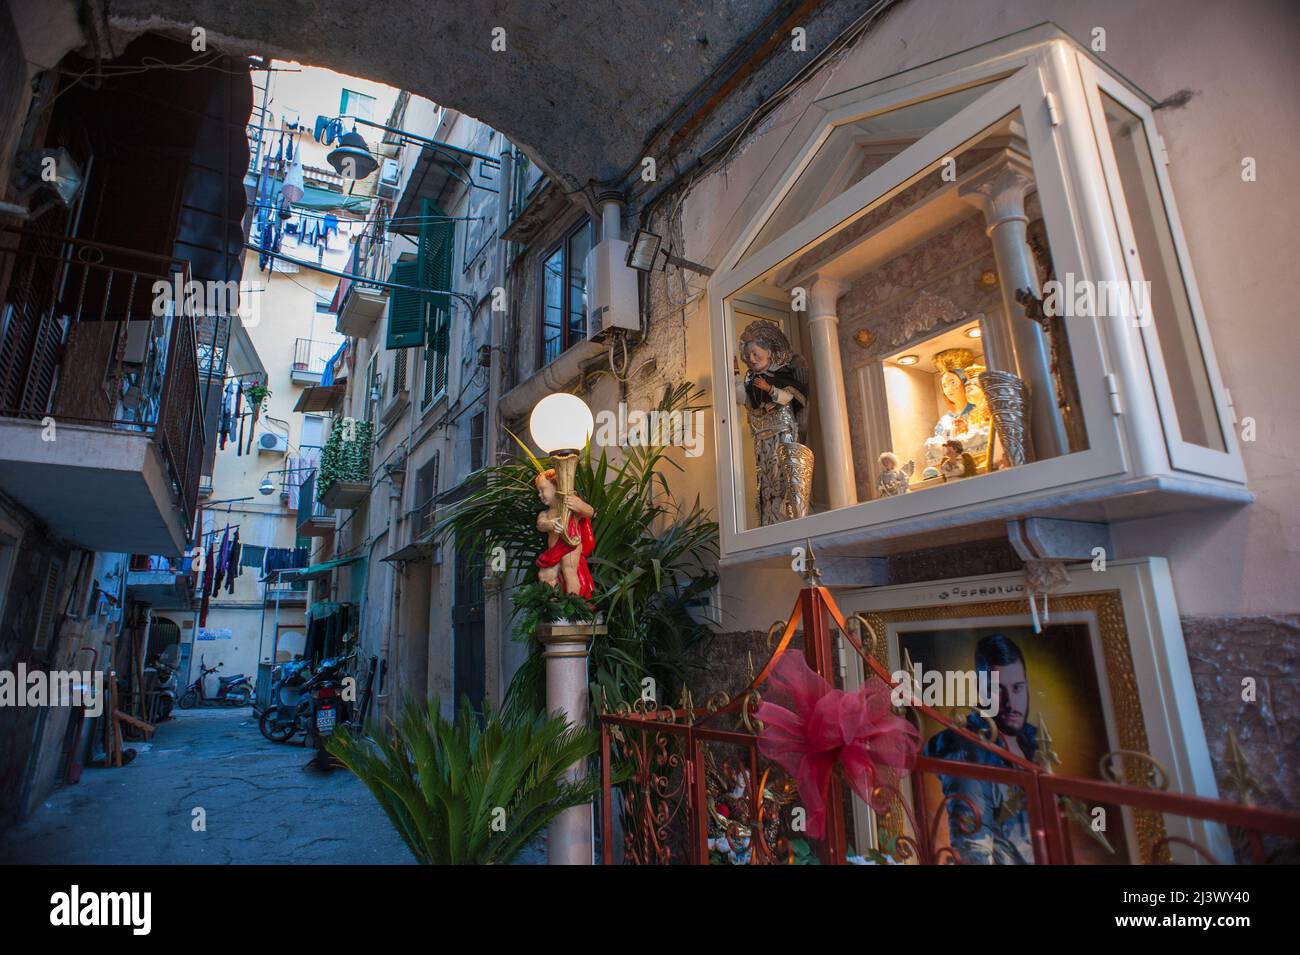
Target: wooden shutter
{"type": "Point", "coordinates": [405, 308]}
{"type": "Point", "coordinates": [437, 252]}
{"type": "Point", "coordinates": [49, 609]}
{"type": "Point", "coordinates": [398, 382]}
{"type": "Point", "coordinates": [437, 245]}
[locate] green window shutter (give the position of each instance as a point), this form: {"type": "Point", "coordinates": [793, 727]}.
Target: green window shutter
{"type": "Point", "coordinates": [405, 308]}
{"type": "Point", "coordinates": [437, 247]}
{"type": "Point", "coordinates": [437, 253]}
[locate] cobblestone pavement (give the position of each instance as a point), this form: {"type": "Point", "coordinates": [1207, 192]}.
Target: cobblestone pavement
{"type": "Point", "coordinates": [261, 805]}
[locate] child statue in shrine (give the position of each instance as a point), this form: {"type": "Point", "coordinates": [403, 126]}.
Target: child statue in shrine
{"type": "Point", "coordinates": [774, 392]}
{"type": "Point", "coordinates": [566, 522]}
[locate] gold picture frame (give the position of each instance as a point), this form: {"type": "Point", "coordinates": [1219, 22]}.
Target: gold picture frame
{"type": "Point", "coordinates": [1106, 608]}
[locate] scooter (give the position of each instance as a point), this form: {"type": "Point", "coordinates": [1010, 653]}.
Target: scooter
{"type": "Point", "coordinates": [330, 707]}
{"type": "Point", "coordinates": [290, 707]}
{"type": "Point", "coordinates": [164, 671]}
{"type": "Point", "coordinates": [231, 690]}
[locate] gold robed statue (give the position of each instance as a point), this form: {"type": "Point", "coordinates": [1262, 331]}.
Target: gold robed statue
{"type": "Point", "coordinates": [967, 419]}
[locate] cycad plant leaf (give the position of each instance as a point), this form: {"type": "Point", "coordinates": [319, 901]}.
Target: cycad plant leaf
{"type": "Point", "coordinates": [475, 789]}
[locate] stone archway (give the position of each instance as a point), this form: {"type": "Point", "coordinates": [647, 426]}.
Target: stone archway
{"type": "Point", "coordinates": [585, 89]}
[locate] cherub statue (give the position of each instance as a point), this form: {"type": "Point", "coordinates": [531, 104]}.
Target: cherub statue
{"type": "Point", "coordinates": [893, 479]}
{"type": "Point", "coordinates": [566, 522]}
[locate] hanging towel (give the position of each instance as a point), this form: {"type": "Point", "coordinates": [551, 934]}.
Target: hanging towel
{"type": "Point", "coordinates": [252, 555]}
{"type": "Point", "coordinates": [294, 186]}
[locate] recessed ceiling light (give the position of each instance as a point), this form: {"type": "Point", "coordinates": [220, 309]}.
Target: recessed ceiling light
{"type": "Point", "coordinates": [974, 332]}
{"type": "Point", "coordinates": [908, 360]}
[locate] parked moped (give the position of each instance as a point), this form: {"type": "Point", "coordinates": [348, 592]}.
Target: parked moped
{"type": "Point", "coordinates": [290, 706]}
{"type": "Point", "coordinates": [231, 690]}
{"type": "Point", "coordinates": [164, 681]}
{"type": "Point", "coordinates": [331, 710]}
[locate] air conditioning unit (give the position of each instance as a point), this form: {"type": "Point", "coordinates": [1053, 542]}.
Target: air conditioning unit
{"type": "Point", "coordinates": [613, 299]}
{"type": "Point", "coordinates": [273, 443]}
{"type": "Point", "coordinates": [390, 174]}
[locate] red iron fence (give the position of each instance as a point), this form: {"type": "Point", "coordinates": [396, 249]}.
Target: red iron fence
{"type": "Point", "coordinates": [698, 791]}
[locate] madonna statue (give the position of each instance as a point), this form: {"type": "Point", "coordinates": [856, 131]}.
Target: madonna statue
{"type": "Point", "coordinates": [774, 392]}
{"type": "Point", "coordinates": [967, 418]}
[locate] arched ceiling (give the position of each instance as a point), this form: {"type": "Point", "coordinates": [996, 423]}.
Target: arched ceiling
{"type": "Point", "coordinates": [582, 85]}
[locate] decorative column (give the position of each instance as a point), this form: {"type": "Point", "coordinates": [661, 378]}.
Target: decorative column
{"type": "Point", "coordinates": [565, 647]}
{"type": "Point", "coordinates": [836, 457]}
{"type": "Point", "coordinates": [1016, 343]}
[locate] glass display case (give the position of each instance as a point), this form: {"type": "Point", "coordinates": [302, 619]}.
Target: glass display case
{"type": "Point", "coordinates": [967, 289]}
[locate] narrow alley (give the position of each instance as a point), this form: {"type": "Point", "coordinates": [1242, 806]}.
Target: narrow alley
{"type": "Point", "coordinates": [259, 806]}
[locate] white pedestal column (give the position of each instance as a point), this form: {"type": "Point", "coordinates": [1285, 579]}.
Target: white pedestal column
{"type": "Point", "coordinates": [1018, 344]}
{"type": "Point", "coordinates": [835, 460]}
{"type": "Point", "coordinates": [565, 647]}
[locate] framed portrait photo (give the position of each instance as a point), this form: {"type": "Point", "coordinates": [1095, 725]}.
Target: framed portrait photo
{"type": "Point", "coordinates": [1101, 690]}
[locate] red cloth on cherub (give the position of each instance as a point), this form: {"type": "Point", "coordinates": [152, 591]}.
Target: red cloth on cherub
{"type": "Point", "coordinates": [579, 527]}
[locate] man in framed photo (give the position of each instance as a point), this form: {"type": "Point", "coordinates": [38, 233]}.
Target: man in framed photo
{"type": "Point", "coordinates": [987, 821]}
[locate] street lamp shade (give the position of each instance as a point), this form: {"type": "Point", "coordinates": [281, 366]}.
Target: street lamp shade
{"type": "Point", "coordinates": [351, 158]}
{"type": "Point", "coordinates": [561, 422]}
{"type": "Point", "coordinates": [267, 486]}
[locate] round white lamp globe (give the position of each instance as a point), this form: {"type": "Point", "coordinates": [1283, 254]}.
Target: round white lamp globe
{"type": "Point", "coordinates": [561, 422]}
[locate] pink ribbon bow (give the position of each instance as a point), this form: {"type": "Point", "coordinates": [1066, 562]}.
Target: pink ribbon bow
{"type": "Point", "coordinates": [822, 726]}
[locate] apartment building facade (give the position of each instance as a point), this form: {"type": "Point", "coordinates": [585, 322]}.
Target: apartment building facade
{"type": "Point", "coordinates": [419, 387]}
{"type": "Point", "coordinates": [881, 219]}
{"type": "Point", "coordinates": [107, 212]}
{"type": "Point", "coordinates": [262, 483]}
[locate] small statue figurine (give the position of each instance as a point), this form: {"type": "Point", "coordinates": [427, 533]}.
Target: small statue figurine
{"type": "Point", "coordinates": [957, 463]}
{"type": "Point", "coordinates": [562, 557]}
{"type": "Point", "coordinates": [893, 479]}
{"type": "Point", "coordinates": [775, 393]}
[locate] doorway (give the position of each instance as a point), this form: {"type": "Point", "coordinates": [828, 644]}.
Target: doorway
{"type": "Point", "coordinates": [468, 656]}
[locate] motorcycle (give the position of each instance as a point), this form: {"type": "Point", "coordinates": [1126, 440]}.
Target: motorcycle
{"type": "Point", "coordinates": [330, 707]}
{"type": "Point", "coordinates": [290, 706]}
{"type": "Point", "coordinates": [231, 690]}
{"type": "Point", "coordinates": [161, 676]}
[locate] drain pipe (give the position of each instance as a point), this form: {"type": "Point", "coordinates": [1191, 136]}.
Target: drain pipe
{"type": "Point", "coordinates": [494, 594]}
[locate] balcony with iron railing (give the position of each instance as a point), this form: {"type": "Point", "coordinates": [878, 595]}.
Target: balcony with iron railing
{"type": "Point", "coordinates": [309, 360]}
{"type": "Point", "coordinates": [314, 518]}
{"type": "Point", "coordinates": [101, 398]}
{"type": "Point", "coordinates": [360, 303]}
